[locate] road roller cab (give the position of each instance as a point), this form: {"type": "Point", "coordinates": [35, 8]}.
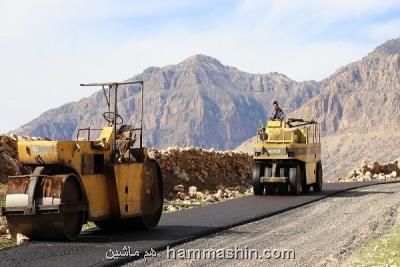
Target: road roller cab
{"type": "Point", "coordinates": [287, 157]}
{"type": "Point", "coordinates": [108, 180]}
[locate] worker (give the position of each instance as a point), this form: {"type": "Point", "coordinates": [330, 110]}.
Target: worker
{"type": "Point", "coordinates": [277, 112]}
{"type": "Point", "coordinates": [125, 142]}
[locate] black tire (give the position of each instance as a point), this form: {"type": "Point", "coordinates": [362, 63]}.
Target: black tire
{"type": "Point", "coordinates": [258, 187]}
{"type": "Point", "coordinates": [317, 187]}
{"type": "Point", "coordinates": [282, 188]}
{"type": "Point", "coordinates": [270, 189]}
{"type": "Point", "coordinates": [296, 185]}
{"type": "Point", "coordinates": [305, 188]}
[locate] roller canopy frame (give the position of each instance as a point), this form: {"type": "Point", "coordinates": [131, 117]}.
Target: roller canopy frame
{"type": "Point", "coordinates": [114, 86]}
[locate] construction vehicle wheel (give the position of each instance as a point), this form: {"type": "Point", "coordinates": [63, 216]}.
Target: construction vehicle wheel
{"type": "Point", "coordinates": [282, 188]}
{"type": "Point", "coordinates": [258, 187]}
{"type": "Point", "coordinates": [142, 222]}
{"type": "Point", "coordinates": [61, 224]}
{"type": "Point", "coordinates": [295, 180]}
{"type": "Point", "coordinates": [151, 221]}
{"type": "Point", "coordinates": [305, 188]}
{"type": "Point", "coordinates": [317, 187]}
{"type": "Point", "coordinates": [270, 188]}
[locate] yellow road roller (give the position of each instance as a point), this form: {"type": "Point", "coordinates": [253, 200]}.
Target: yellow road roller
{"type": "Point", "coordinates": [287, 158]}
{"type": "Point", "coordinates": [103, 176]}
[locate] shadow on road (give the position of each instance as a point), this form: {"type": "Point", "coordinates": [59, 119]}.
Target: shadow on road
{"type": "Point", "coordinates": [163, 232]}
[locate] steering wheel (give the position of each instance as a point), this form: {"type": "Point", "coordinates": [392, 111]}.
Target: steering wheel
{"type": "Point", "coordinates": [109, 117]}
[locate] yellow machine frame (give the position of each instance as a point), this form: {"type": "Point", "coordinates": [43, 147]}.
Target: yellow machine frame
{"type": "Point", "coordinates": [108, 190]}
{"type": "Point", "coordinates": [291, 144]}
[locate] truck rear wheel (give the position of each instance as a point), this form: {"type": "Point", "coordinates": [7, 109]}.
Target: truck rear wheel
{"type": "Point", "coordinates": [295, 180]}
{"type": "Point", "coordinates": [304, 186]}
{"type": "Point", "coordinates": [258, 187]}
{"type": "Point", "coordinates": [317, 187]}
{"type": "Point", "coordinates": [270, 188]}
{"type": "Point", "coordinates": [282, 188]}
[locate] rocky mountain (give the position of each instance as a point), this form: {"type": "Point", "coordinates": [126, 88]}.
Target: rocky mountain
{"type": "Point", "coordinates": [198, 102]}
{"type": "Point", "coordinates": [361, 97]}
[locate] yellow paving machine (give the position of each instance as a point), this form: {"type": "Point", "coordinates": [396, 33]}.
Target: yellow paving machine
{"type": "Point", "coordinates": [109, 180]}
{"type": "Point", "coordinates": [287, 158]}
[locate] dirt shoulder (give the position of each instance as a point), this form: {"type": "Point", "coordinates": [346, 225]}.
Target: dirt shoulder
{"type": "Point", "coordinates": [382, 251]}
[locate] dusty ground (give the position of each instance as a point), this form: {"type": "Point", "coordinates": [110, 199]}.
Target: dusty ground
{"type": "Point", "coordinates": [324, 233]}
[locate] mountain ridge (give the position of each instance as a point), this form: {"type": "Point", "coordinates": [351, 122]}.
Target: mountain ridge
{"type": "Point", "coordinates": [202, 102]}
{"type": "Point", "coordinates": [201, 80]}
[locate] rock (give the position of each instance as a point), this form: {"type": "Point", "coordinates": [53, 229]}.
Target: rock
{"type": "Point", "coordinates": [181, 195]}
{"type": "Point", "coordinates": [211, 198]}
{"type": "Point", "coordinates": [151, 154]}
{"type": "Point", "coordinates": [192, 191]}
{"type": "Point", "coordinates": [360, 178]}
{"type": "Point", "coordinates": [220, 194]}
{"type": "Point", "coordinates": [21, 239]}
{"type": "Point", "coordinates": [393, 174]}
{"type": "Point", "coordinates": [14, 137]}
{"type": "Point", "coordinates": [7, 236]}
{"type": "Point", "coordinates": [381, 177]}
{"type": "Point", "coordinates": [171, 208]}
{"type": "Point", "coordinates": [179, 188]}
{"type": "Point", "coordinates": [364, 164]}
{"type": "Point", "coordinates": [368, 174]}
{"type": "Point", "coordinates": [200, 195]}
{"type": "Point", "coordinates": [3, 230]}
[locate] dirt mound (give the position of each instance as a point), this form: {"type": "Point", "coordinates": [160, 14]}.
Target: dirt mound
{"type": "Point", "coordinates": [9, 164]}
{"type": "Point", "coordinates": [205, 169]}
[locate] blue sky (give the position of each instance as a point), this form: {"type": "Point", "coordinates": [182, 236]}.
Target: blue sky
{"type": "Point", "coordinates": [48, 47]}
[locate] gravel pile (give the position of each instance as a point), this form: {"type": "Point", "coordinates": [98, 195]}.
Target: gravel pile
{"type": "Point", "coordinates": [375, 171]}
{"type": "Point", "coordinates": [207, 170]}
{"type": "Point", "coordinates": [183, 199]}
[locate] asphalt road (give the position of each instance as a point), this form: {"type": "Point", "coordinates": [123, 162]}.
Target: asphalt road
{"type": "Point", "coordinates": [322, 233]}
{"type": "Point", "coordinates": [175, 228]}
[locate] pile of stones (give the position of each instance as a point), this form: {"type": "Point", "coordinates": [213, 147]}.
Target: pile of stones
{"type": "Point", "coordinates": [375, 171]}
